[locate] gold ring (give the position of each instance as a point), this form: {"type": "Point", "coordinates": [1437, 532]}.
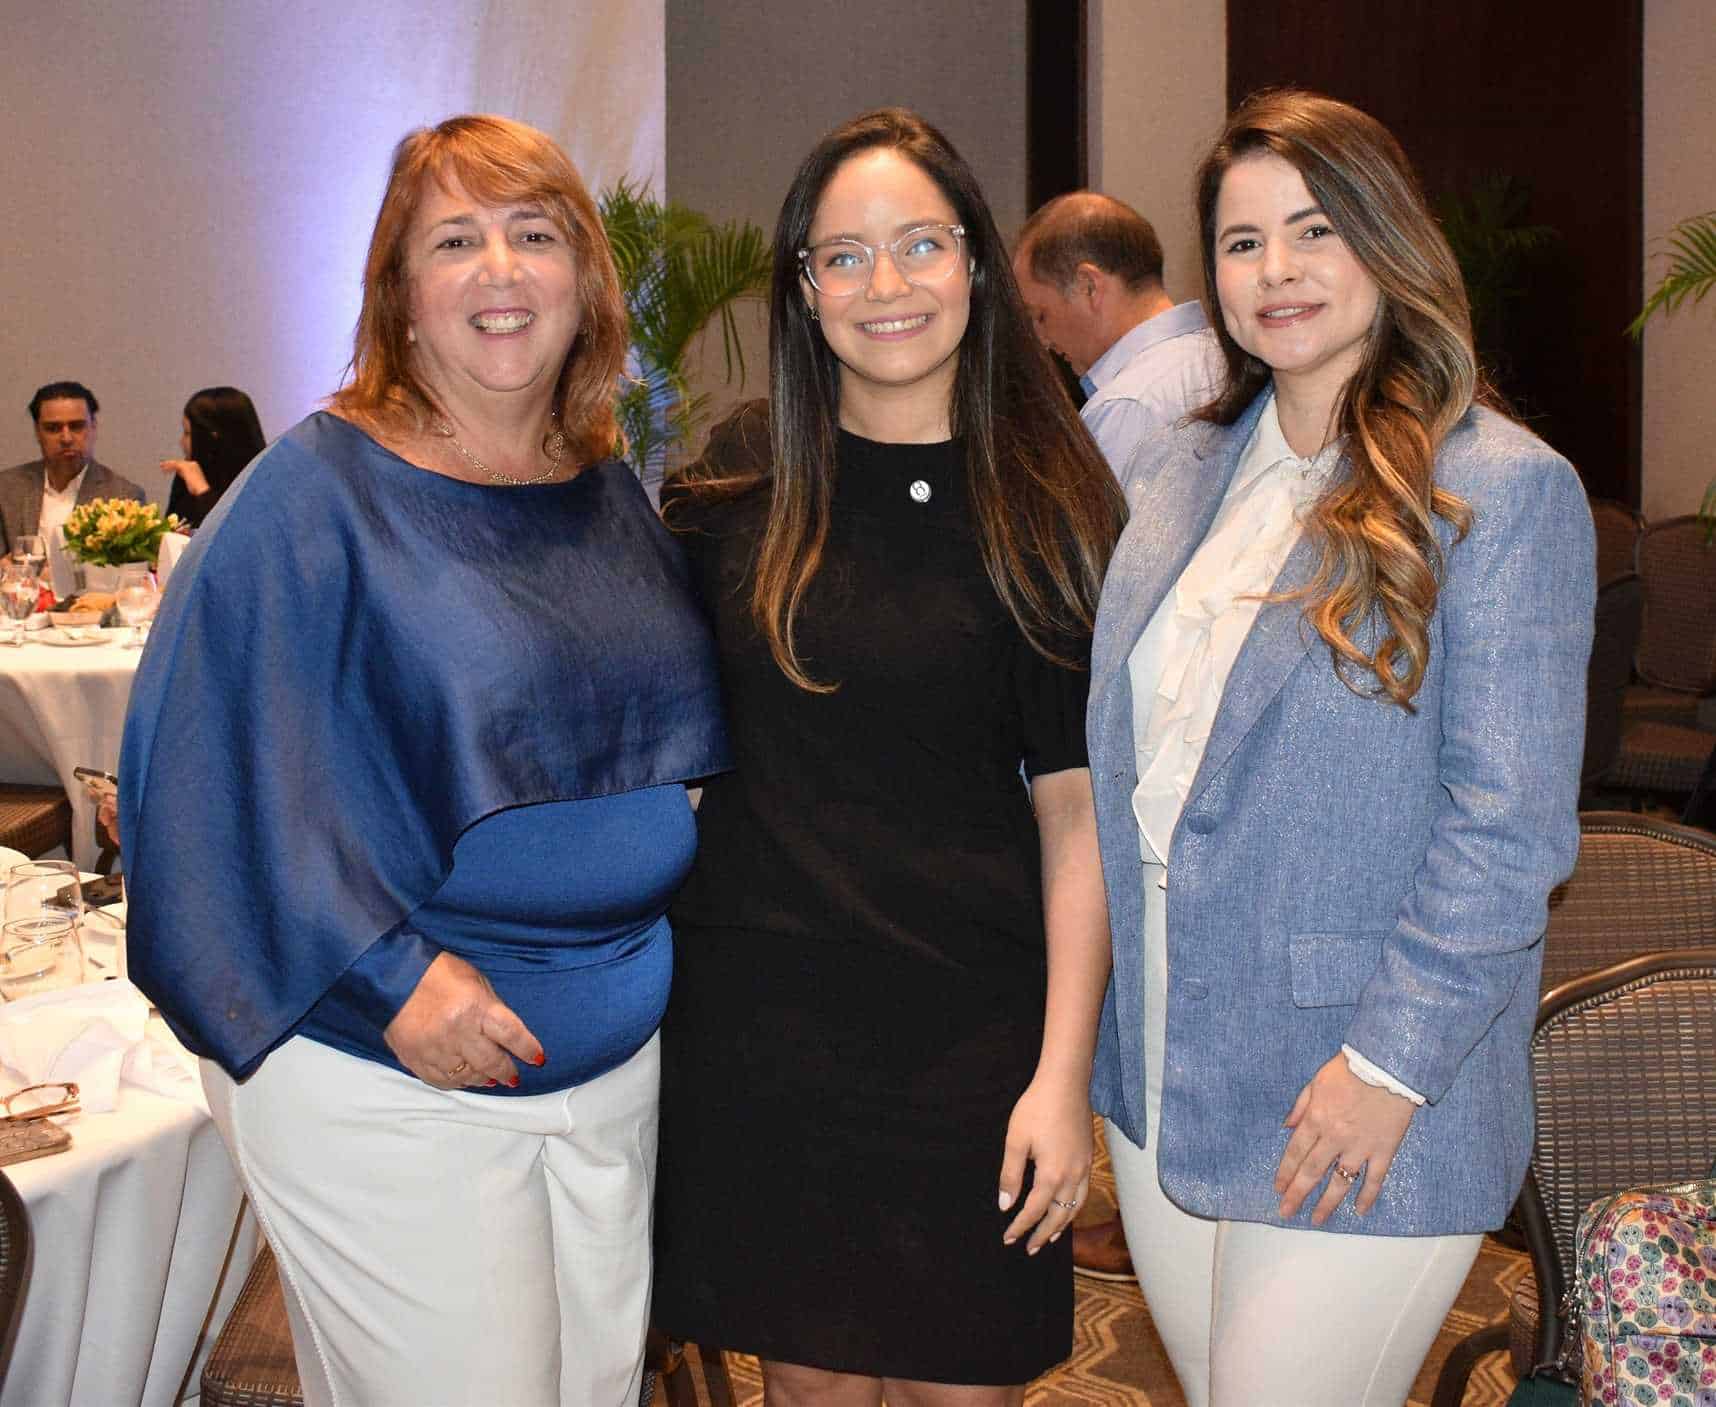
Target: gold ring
{"type": "Point", "coordinates": [1345, 1173]}
{"type": "Point", "coordinates": [459, 1069]}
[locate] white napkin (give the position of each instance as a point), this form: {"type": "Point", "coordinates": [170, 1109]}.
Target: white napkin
{"type": "Point", "coordinates": [8, 858]}
{"type": "Point", "coordinates": [95, 1034]}
{"type": "Point", "coordinates": [172, 545]}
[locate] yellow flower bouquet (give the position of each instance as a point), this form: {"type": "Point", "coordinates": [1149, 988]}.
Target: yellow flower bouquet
{"type": "Point", "coordinates": [107, 532]}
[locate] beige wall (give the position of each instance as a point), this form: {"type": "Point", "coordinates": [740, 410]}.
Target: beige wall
{"type": "Point", "coordinates": [1158, 80]}
{"type": "Point", "coordinates": [1679, 180]}
{"type": "Point", "coordinates": [191, 183]}
{"type": "Point", "coordinates": [752, 85]}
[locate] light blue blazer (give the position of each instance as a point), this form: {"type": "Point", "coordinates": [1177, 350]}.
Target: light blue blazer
{"type": "Point", "coordinates": [1343, 870]}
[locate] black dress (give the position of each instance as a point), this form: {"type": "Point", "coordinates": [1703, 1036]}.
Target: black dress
{"type": "Point", "coordinates": [859, 954]}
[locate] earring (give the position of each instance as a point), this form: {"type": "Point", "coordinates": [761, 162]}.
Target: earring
{"type": "Point", "coordinates": [411, 335]}
{"type": "Point", "coordinates": [814, 315]}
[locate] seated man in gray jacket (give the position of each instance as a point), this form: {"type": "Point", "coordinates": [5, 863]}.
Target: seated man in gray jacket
{"type": "Point", "coordinates": [39, 496]}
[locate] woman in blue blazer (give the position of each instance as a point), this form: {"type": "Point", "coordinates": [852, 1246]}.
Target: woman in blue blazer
{"type": "Point", "coordinates": [1335, 726]}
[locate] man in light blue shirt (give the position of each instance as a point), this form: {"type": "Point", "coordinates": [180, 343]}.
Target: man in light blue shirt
{"type": "Point", "coordinates": [1090, 269]}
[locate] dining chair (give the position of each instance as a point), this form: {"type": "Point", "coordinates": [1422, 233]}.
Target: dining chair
{"type": "Point", "coordinates": [1639, 885]}
{"type": "Point", "coordinates": [1659, 761]}
{"type": "Point", "coordinates": [1618, 528]}
{"type": "Point", "coordinates": [34, 819]}
{"type": "Point", "coordinates": [1626, 1097]}
{"type": "Point", "coordinates": [251, 1363]}
{"type": "Point", "coordinates": [670, 1372]}
{"type": "Point", "coordinates": [1615, 638]}
{"type": "Point", "coordinates": [15, 1252]}
{"type": "Point", "coordinates": [1676, 661]}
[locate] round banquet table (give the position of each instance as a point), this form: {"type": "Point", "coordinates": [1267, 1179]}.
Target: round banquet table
{"type": "Point", "coordinates": [63, 706]}
{"type": "Point", "coordinates": [142, 1242]}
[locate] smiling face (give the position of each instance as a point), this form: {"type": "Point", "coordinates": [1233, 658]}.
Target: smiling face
{"type": "Point", "coordinates": [897, 343]}
{"type": "Point", "coordinates": [1292, 293]}
{"type": "Point", "coordinates": [65, 430]}
{"type": "Point", "coordinates": [493, 296]}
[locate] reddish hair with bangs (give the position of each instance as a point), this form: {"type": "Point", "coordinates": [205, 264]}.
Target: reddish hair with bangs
{"type": "Point", "coordinates": [499, 162]}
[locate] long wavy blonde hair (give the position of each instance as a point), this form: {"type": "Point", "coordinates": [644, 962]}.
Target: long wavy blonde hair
{"type": "Point", "coordinates": [1381, 567]}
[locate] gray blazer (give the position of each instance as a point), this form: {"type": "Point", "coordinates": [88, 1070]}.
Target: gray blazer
{"type": "Point", "coordinates": [21, 495]}
{"type": "Point", "coordinates": [1343, 870]}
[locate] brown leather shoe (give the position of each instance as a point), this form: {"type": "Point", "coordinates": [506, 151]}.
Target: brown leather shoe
{"type": "Point", "coordinates": [1099, 1251]}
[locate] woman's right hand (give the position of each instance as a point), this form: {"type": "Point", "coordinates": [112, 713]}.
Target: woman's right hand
{"type": "Point", "coordinates": [190, 471]}
{"type": "Point", "coordinates": [453, 1030]}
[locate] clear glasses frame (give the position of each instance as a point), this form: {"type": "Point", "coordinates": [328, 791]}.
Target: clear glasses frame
{"type": "Point", "coordinates": [872, 252]}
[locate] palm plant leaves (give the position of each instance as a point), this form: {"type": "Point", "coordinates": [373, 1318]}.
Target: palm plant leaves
{"type": "Point", "coordinates": [678, 270]}
{"type": "Point", "coordinates": [1483, 227]}
{"type": "Point", "coordinates": [1691, 269]}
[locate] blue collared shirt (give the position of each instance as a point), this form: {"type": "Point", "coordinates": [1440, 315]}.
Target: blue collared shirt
{"type": "Point", "coordinates": [1149, 379]}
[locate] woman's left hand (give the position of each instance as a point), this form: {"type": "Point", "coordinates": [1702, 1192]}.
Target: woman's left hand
{"type": "Point", "coordinates": [1050, 1127]}
{"type": "Point", "coordinates": [1339, 1121]}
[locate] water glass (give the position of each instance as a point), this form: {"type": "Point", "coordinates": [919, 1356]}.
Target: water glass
{"type": "Point", "coordinates": [136, 600]}
{"type": "Point", "coordinates": [32, 550]}
{"type": "Point", "coordinates": [19, 589]}
{"type": "Point", "coordinates": [44, 887]}
{"type": "Point", "coordinates": [40, 954]}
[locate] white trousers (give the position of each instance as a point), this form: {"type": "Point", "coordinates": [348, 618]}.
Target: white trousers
{"type": "Point", "coordinates": [449, 1249]}
{"type": "Point", "coordinates": [1254, 1314]}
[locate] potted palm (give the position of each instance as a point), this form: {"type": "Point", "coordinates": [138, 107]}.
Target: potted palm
{"type": "Point", "coordinates": [1691, 274]}
{"type": "Point", "coordinates": [678, 271]}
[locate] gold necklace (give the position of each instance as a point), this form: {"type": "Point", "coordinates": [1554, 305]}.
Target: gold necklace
{"type": "Point", "coordinates": [555, 447]}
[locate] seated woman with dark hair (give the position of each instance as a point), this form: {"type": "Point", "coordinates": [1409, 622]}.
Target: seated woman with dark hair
{"type": "Point", "coordinates": [221, 435]}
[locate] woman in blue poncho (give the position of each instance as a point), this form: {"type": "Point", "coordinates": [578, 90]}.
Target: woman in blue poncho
{"type": "Point", "coordinates": [403, 808]}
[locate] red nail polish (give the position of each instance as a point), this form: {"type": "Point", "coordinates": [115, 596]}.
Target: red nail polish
{"type": "Point", "coordinates": [490, 1084]}
{"type": "Point", "coordinates": [512, 1083]}
{"type": "Point", "coordinates": [541, 1059]}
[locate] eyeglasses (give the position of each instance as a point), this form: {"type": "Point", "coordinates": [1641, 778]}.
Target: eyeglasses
{"type": "Point", "coordinates": [838, 268]}
{"type": "Point", "coordinates": [40, 1102]}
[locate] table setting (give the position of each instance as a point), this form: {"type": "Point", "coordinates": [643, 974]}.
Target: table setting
{"type": "Point", "coordinates": [142, 1238]}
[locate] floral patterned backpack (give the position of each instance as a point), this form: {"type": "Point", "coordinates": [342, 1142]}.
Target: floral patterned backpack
{"type": "Point", "coordinates": [1646, 1292]}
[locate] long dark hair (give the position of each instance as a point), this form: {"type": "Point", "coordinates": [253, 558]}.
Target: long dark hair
{"type": "Point", "coordinates": [1048, 511]}
{"type": "Point", "coordinates": [225, 434]}
{"type": "Point", "coordinates": [1419, 376]}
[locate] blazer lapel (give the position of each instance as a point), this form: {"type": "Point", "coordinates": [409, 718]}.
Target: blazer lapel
{"type": "Point", "coordinates": [1277, 641]}
{"type": "Point", "coordinates": [31, 516]}
{"type": "Point", "coordinates": [94, 483]}
{"type": "Point", "coordinates": [1170, 516]}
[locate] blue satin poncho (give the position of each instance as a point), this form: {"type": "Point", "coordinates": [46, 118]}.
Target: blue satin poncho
{"type": "Point", "coordinates": [355, 661]}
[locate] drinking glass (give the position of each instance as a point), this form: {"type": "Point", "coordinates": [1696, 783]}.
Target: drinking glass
{"type": "Point", "coordinates": [19, 589]}
{"type": "Point", "coordinates": [44, 887]}
{"type": "Point", "coordinates": [40, 954]}
{"type": "Point", "coordinates": [32, 550]}
{"type": "Point", "coordinates": [136, 600]}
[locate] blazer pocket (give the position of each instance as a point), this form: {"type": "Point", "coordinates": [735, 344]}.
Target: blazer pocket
{"type": "Point", "coordinates": [1331, 969]}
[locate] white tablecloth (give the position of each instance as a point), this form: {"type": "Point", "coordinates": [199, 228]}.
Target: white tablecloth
{"type": "Point", "coordinates": [63, 706]}
{"type": "Point", "coordinates": [140, 1250]}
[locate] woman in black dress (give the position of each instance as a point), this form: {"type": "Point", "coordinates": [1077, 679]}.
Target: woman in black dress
{"type": "Point", "coordinates": [890, 955]}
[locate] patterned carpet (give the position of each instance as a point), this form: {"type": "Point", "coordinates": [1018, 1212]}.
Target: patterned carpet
{"type": "Point", "coordinates": [1118, 1361]}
